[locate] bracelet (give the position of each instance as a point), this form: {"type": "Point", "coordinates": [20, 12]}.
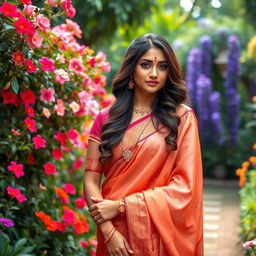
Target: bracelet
{"type": "Point", "coordinates": [111, 233]}
{"type": "Point", "coordinates": [121, 207]}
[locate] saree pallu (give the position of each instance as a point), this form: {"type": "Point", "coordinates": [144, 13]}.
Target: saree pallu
{"type": "Point", "coordinates": [162, 191]}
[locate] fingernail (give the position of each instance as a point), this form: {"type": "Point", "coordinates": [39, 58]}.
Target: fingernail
{"type": "Point", "coordinates": [131, 251]}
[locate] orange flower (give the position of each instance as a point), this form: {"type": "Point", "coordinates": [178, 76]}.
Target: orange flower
{"type": "Point", "coordinates": [246, 164]}
{"type": "Point", "coordinates": [42, 216]}
{"type": "Point", "coordinates": [252, 159]}
{"type": "Point", "coordinates": [62, 194]}
{"type": "Point", "coordinates": [80, 225]}
{"type": "Point", "coordinates": [51, 225]}
{"type": "Point", "coordinates": [254, 99]}
{"type": "Point", "coordinates": [254, 146]}
{"type": "Point", "coordinates": [241, 172]}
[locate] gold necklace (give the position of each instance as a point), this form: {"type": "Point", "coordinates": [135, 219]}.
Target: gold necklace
{"type": "Point", "coordinates": [127, 153]}
{"type": "Point", "coordinates": [141, 111]}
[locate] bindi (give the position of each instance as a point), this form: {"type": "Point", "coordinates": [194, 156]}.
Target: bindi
{"type": "Point", "coordinates": [155, 59]}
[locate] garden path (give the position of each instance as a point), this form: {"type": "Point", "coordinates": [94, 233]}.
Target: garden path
{"type": "Point", "coordinates": [221, 219]}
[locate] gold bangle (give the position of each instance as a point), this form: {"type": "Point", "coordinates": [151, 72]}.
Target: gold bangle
{"type": "Point", "coordinates": [111, 233]}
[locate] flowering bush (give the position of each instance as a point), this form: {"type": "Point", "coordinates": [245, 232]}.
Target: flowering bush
{"type": "Point", "coordinates": [247, 175]}
{"type": "Point", "coordinates": [51, 87]}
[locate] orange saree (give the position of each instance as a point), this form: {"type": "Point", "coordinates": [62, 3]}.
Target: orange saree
{"type": "Point", "coordinates": [162, 190]}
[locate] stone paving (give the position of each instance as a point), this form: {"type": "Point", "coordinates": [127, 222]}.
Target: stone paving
{"type": "Point", "coordinates": [221, 219]}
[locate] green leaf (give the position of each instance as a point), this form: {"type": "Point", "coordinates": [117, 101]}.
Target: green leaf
{"type": "Point", "coordinates": [3, 46]}
{"type": "Point", "coordinates": [15, 85]}
{"type": "Point", "coordinates": [18, 246]}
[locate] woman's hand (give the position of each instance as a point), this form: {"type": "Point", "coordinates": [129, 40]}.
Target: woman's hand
{"type": "Point", "coordinates": [118, 245]}
{"type": "Point", "coordinates": [103, 210]}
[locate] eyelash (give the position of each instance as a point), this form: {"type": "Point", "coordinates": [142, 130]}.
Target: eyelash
{"type": "Point", "coordinates": [147, 65]}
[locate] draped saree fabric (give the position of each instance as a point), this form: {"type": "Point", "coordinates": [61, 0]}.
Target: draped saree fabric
{"type": "Point", "coordinates": [162, 189]}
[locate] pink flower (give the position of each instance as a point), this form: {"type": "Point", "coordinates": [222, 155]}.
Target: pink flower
{"type": "Point", "coordinates": [15, 192]}
{"type": "Point", "coordinates": [60, 58]}
{"type": "Point", "coordinates": [28, 97]}
{"type": "Point", "coordinates": [10, 98]}
{"type": "Point", "coordinates": [61, 137]}
{"type": "Point", "coordinates": [92, 252]}
{"type": "Point", "coordinates": [47, 94]}
{"type": "Point", "coordinates": [15, 132]}
{"type": "Point", "coordinates": [72, 134]}
{"type": "Point", "coordinates": [59, 107]}
{"type": "Point", "coordinates": [30, 124]}
{"type": "Point", "coordinates": [47, 64]}
{"type": "Point", "coordinates": [43, 22]}
{"type": "Point", "coordinates": [35, 41]}
{"type": "Point", "coordinates": [249, 244]}
{"type": "Point", "coordinates": [74, 28]}
{"type": "Point", "coordinates": [24, 26]}
{"type": "Point", "coordinates": [93, 242]}
{"type": "Point", "coordinates": [17, 169]}
{"type": "Point", "coordinates": [101, 56]}
{"type": "Point", "coordinates": [31, 67]}
{"type": "Point", "coordinates": [31, 158]}
{"type": "Point", "coordinates": [30, 111]}
{"type": "Point", "coordinates": [76, 65]}
{"type": "Point", "coordinates": [49, 168]}
{"type": "Point", "coordinates": [77, 164]}
{"type": "Point", "coordinates": [18, 58]}
{"type": "Point", "coordinates": [105, 66]}
{"type": "Point", "coordinates": [69, 216]}
{"type": "Point", "coordinates": [57, 154]}
{"type": "Point", "coordinates": [39, 142]}
{"type": "Point", "coordinates": [80, 203]}
{"type": "Point", "coordinates": [70, 189]}
{"type": "Point", "coordinates": [65, 4]}
{"type": "Point", "coordinates": [46, 112]}
{"type": "Point", "coordinates": [61, 76]}
{"type": "Point", "coordinates": [84, 244]}
{"type": "Point", "coordinates": [84, 96]}
{"type": "Point", "coordinates": [29, 10]}
{"type": "Point", "coordinates": [74, 106]}
{"type": "Point", "coordinates": [52, 3]}
{"type": "Point", "coordinates": [9, 10]}
{"type": "Point", "coordinates": [93, 107]}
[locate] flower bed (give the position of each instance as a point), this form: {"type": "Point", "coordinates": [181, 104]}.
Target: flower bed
{"type": "Point", "coordinates": [51, 87]}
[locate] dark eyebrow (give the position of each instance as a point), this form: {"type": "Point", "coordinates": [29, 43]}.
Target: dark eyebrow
{"type": "Point", "coordinates": [162, 61]}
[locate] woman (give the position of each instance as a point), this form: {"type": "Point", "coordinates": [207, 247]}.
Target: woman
{"type": "Point", "coordinates": [147, 147]}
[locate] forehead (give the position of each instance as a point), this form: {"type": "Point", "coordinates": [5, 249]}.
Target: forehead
{"type": "Point", "coordinates": [154, 53]}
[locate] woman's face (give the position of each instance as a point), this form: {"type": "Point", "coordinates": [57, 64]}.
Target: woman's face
{"type": "Point", "coordinates": [151, 72]}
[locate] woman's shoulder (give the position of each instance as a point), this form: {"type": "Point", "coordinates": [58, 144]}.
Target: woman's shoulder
{"type": "Point", "coordinates": [183, 109]}
{"type": "Point", "coordinates": [104, 113]}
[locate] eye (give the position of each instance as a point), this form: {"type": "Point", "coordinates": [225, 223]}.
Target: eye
{"type": "Point", "coordinates": [163, 66]}
{"type": "Point", "coordinates": [145, 65]}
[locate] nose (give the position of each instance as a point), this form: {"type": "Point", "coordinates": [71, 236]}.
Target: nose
{"type": "Point", "coordinates": [153, 72]}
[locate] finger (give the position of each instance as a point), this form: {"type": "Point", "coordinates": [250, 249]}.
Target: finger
{"type": "Point", "coordinates": [92, 207]}
{"type": "Point", "coordinates": [96, 200]}
{"type": "Point", "coordinates": [124, 252]}
{"type": "Point", "coordinates": [127, 246]}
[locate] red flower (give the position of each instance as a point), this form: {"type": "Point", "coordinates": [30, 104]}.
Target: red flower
{"type": "Point", "coordinates": [28, 97]}
{"type": "Point", "coordinates": [60, 226]}
{"type": "Point", "coordinates": [15, 132]}
{"type": "Point", "coordinates": [15, 192]}
{"type": "Point", "coordinates": [61, 137]}
{"type": "Point", "coordinates": [72, 134]}
{"type": "Point", "coordinates": [62, 194]}
{"type": "Point", "coordinates": [81, 226]}
{"type": "Point", "coordinates": [24, 26]}
{"type": "Point", "coordinates": [17, 169]}
{"type": "Point", "coordinates": [69, 188]}
{"type": "Point", "coordinates": [39, 142]}
{"type": "Point", "coordinates": [84, 243]}
{"type": "Point", "coordinates": [10, 98]}
{"type": "Point", "coordinates": [9, 10]}
{"type": "Point", "coordinates": [51, 225]}
{"type": "Point", "coordinates": [26, 2]}
{"type": "Point", "coordinates": [31, 158]}
{"type": "Point", "coordinates": [31, 124]}
{"type": "Point", "coordinates": [31, 67]}
{"type": "Point", "coordinates": [49, 168]}
{"type": "Point", "coordinates": [18, 58]}
{"type": "Point", "coordinates": [92, 62]}
{"type": "Point", "coordinates": [69, 216]}
{"type": "Point", "coordinates": [57, 154]}
{"type": "Point", "coordinates": [77, 164]}
{"type": "Point", "coordinates": [30, 111]}
{"type": "Point", "coordinates": [80, 203]}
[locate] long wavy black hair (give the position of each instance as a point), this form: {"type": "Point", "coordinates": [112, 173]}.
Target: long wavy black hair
{"type": "Point", "coordinates": [164, 106]}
